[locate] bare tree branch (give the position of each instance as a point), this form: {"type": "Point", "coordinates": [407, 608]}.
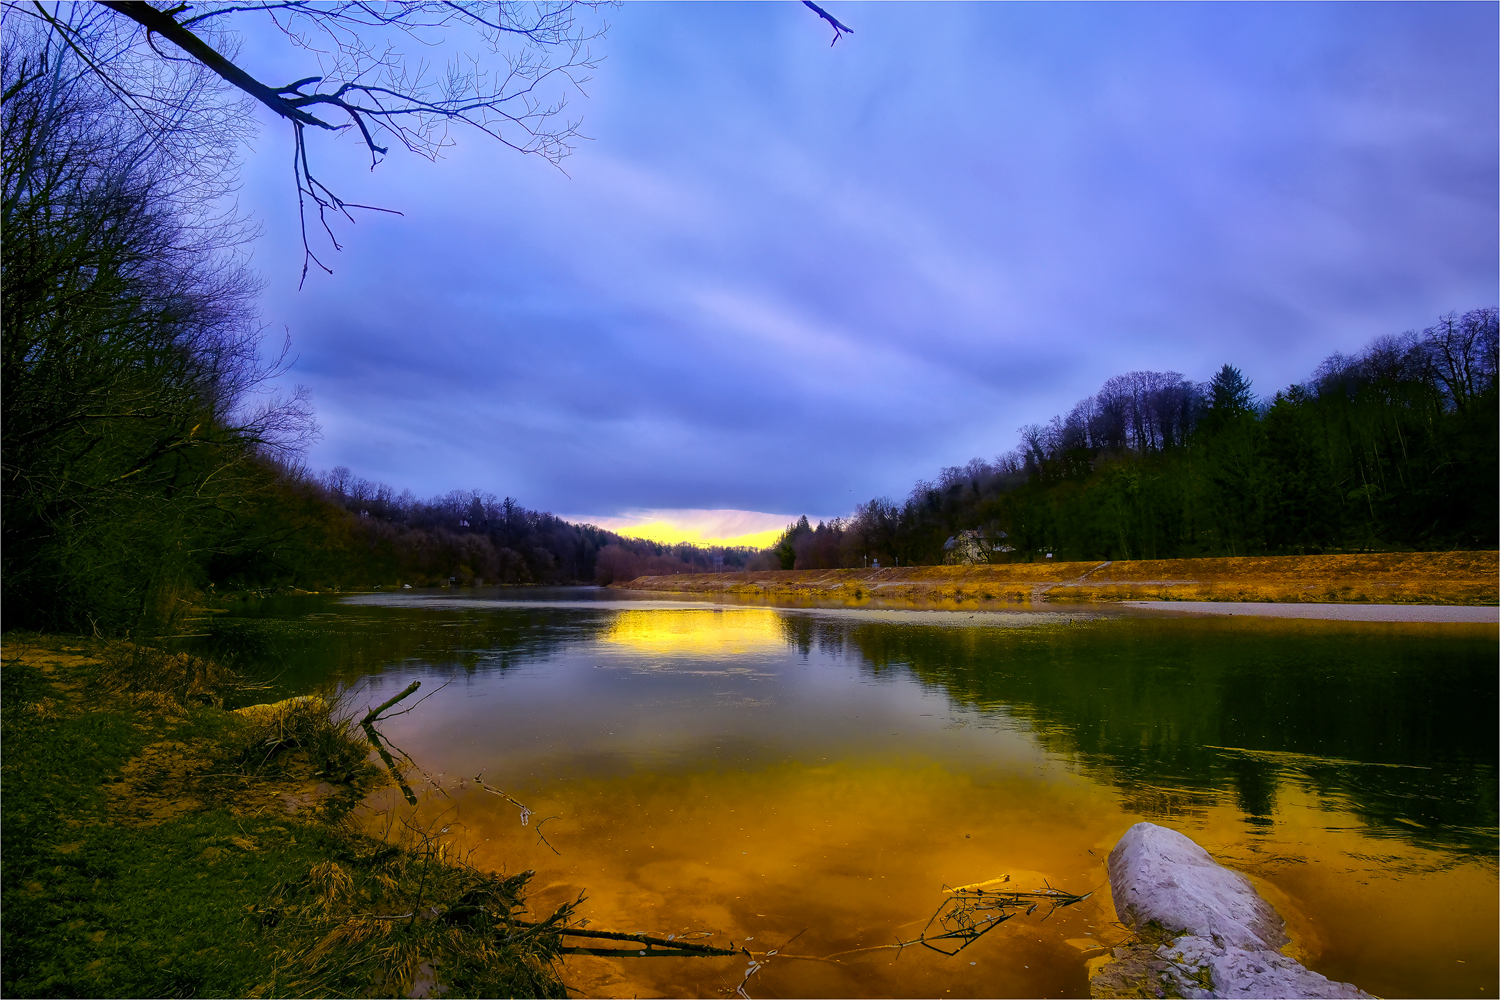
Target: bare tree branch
{"type": "Point", "coordinates": [538, 53]}
{"type": "Point", "coordinates": [516, 92]}
{"type": "Point", "coordinates": [838, 28]}
{"type": "Point", "coordinates": [164, 24]}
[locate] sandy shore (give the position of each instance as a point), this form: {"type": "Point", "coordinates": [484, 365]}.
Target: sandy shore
{"type": "Point", "coordinates": [1330, 612]}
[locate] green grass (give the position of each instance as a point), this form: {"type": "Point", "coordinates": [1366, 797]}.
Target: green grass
{"type": "Point", "coordinates": [141, 857]}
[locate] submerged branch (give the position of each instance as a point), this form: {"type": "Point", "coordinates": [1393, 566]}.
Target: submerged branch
{"type": "Point", "coordinates": [649, 942]}
{"type": "Point", "coordinates": [526, 812]}
{"type": "Point", "coordinates": [968, 914]}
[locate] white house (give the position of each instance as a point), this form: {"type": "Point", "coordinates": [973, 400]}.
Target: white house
{"type": "Point", "coordinates": [975, 547]}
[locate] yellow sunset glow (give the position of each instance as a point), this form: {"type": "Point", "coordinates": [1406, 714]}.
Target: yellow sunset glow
{"type": "Point", "coordinates": [749, 528]}
{"type": "Point", "coordinates": [670, 533]}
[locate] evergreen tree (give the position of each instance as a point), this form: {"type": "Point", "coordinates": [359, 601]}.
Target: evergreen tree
{"type": "Point", "coordinates": [1229, 393]}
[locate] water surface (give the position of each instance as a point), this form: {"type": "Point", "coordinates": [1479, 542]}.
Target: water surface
{"type": "Point", "coordinates": [766, 772]}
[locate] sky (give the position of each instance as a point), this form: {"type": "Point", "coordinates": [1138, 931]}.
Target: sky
{"type": "Point", "coordinates": [783, 277]}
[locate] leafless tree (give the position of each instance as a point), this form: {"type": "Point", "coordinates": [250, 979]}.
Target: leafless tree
{"type": "Point", "coordinates": [1463, 353]}
{"type": "Point", "coordinates": [101, 208]}
{"type": "Point", "coordinates": [510, 70]}
{"type": "Point", "coordinates": [138, 406]}
{"type": "Point", "coordinates": [1146, 411]}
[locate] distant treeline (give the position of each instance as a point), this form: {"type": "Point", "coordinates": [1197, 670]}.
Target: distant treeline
{"type": "Point", "coordinates": [379, 536]}
{"type": "Point", "coordinates": [1392, 448]}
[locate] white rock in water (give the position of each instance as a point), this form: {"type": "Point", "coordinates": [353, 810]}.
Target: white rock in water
{"type": "Point", "coordinates": [1158, 874]}
{"type": "Point", "coordinates": [1224, 936]}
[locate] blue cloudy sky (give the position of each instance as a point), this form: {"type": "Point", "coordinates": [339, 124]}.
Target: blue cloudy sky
{"type": "Point", "coordinates": [782, 277]}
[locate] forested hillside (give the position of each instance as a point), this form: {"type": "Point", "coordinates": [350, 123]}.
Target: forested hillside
{"type": "Point", "coordinates": [380, 537]}
{"type": "Point", "coordinates": [1391, 448]}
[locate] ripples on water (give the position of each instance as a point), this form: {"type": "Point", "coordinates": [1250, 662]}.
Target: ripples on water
{"type": "Point", "coordinates": [764, 772]}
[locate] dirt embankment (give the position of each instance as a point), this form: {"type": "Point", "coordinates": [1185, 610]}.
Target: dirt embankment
{"type": "Point", "coordinates": [1461, 578]}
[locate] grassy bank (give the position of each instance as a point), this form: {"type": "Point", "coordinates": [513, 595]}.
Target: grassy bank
{"type": "Point", "coordinates": [157, 844]}
{"type": "Point", "coordinates": [1461, 578]}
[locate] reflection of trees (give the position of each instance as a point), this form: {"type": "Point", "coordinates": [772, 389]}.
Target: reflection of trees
{"type": "Point", "coordinates": [1172, 712]}
{"type": "Point", "coordinates": [305, 644]}
{"type": "Point", "coordinates": [1393, 723]}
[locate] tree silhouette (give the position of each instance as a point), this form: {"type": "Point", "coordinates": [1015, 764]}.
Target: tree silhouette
{"type": "Point", "coordinates": [509, 77]}
{"type": "Point", "coordinates": [1229, 392]}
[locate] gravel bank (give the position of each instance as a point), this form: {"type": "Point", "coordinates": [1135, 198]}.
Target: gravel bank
{"type": "Point", "coordinates": [1331, 612]}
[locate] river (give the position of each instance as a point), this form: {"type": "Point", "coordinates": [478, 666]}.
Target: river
{"type": "Point", "coordinates": [809, 779]}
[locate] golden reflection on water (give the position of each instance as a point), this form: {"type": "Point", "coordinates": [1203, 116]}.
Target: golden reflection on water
{"type": "Point", "coordinates": [857, 852]}
{"type": "Point", "coordinates": [854, 850]}
{"type": "Point", "coordinates": [697, 632]}
{"type": "Point", "coordinates": [850, 854]}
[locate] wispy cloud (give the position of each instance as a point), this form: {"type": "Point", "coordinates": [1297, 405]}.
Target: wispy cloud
{"type": "Point", "coordinates": [785, 278]}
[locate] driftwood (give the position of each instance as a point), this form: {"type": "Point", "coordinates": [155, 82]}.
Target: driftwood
{"type": "Point", "coordinates": [374, 713]}
{"type": "Point", "coordinates": [651, 945]}
{"type": "Point", "coordinates": [968, 914]}
{"type": "Point", "coordinates": [368, 725]}
{"type": "Point", "coordinates": [646, 945]}
{"type": "Point", "coordinates": [526, 812]}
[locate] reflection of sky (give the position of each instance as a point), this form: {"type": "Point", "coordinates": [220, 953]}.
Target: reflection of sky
{"type": "Point", "coordinates": [703, 773]}
{"type": "Point", "coordinates": [1173, 712]}
{"type": "Point", "coordinates": [737, 632]}
{"type": "Point", "coordinates": [784, 277]}
{"type": "Point", "coordinates": [689, 688]}
{"type": "Point", "coordinates": [696, 769]}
